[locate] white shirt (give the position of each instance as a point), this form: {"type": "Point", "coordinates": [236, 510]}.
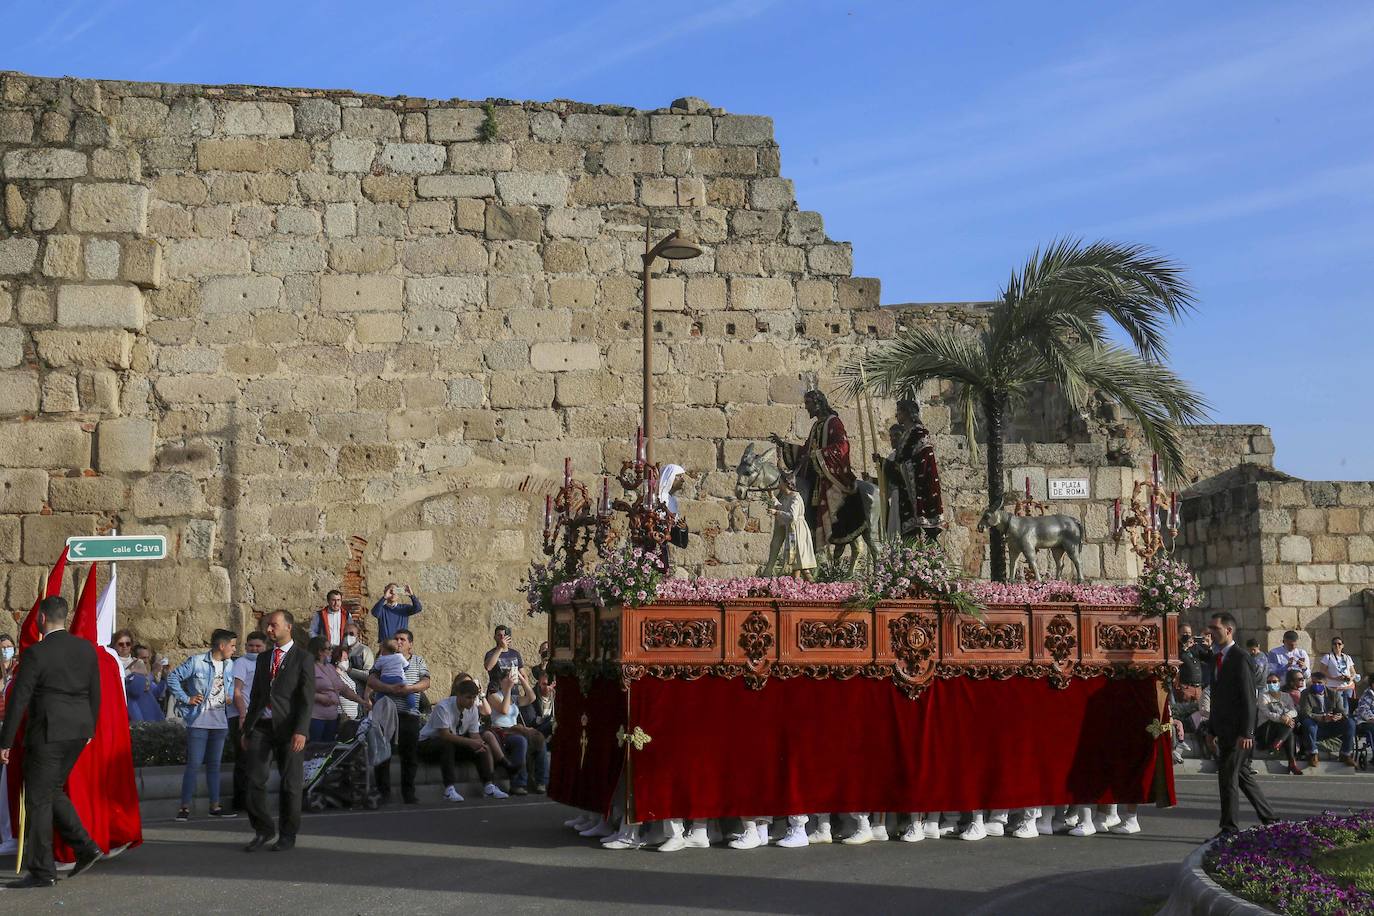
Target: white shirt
{"type": "Point", "coordinates": [1338, 666]}
{"type": "Point", "coordinates": [448, 715]}
{"type": "Point", "coordinates": [244, 669]}
{"type": "Point", "coordinates": [271, 653]}
{"type": "Point", "coordinates": [1282, 660]}
{"type": "Point", "coordinates": [212, 711]}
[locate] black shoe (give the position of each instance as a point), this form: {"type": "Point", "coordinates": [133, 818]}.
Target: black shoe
{"type": "Point", "coordinates": [284, 843]}
{"type": "Point", "coordinates": [541, 790]}
{"type": "Point", "coordinates": [183, 814]}
{"type": "Point", "coordinates": [259, 841]}
{"type": "Point", "coordinates": [29, 881]}
{"type": "Point", "coordinates": [1223, 834]}
{"type": "Point", "coordinates": [1266, 821]}
{"type": "Point", "coordinates": [223, 812]}
{"type": "Point", "coordinates": [84, 862]}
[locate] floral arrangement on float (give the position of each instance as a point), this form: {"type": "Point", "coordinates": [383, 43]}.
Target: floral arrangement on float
{"type": "Point", "coordinates": [914, 569]}
{"type": "Point", "coordinates": [1168, 586]}
{"type": "Point", "coordinates": [1315, 867]}
{"type": "Point", "coordinates": [628, 576]}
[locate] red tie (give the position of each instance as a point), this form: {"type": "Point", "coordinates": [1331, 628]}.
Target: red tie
{"type": "Point", "coordinates": [277, 653]}
{"type": "Point", "coordinates": [1220, 658]}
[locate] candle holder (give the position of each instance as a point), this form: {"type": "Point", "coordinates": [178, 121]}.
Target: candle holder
{"type": "Point", "coordinates": [649, 521]}
{"type": "Point", "coordinates": [1140, 525]}
{"type": "Point", "coordinates": [572, 526]}
{"type": "Point", "coordinates": [1027, 505]}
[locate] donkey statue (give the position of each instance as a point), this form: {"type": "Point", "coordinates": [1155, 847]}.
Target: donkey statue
{"type": "Point", "coordinates": [758, 474]}
{"type": "Point", "coordinates": [1061, 534]}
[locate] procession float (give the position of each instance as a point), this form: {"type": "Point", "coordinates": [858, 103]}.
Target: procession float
{"type": "Point", "coordinates": [901, 688]}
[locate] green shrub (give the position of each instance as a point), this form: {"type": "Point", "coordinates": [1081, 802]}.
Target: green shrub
{"type": "Point", "coordinates": [163, 744]}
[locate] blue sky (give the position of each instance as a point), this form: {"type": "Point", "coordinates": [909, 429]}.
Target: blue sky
{"type": "Point", "coordinates": [944, 143]}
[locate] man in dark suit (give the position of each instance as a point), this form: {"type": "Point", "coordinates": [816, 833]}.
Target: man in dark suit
{"type": "Point", "coordinates": [58, 687]}
{"type": "Point", "coordinates": [1233, 723]}
{"type": "Point", "coordinates": [274, 731]}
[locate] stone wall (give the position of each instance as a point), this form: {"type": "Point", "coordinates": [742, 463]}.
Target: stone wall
{"type": "Point", "coordinates": [267, 322]}
{"type": "Point", "coordinates": [1288, 554]}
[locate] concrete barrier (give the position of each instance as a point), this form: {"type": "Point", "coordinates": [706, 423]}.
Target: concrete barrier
{"type": "Point", "coordinates": [1196, 894]}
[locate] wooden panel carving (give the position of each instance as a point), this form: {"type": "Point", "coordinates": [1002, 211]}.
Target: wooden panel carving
{"type": "Point", "coordinates": [1059, 639]}
{"type": "Point", "coordinates": [826, 634]}
{"type": "Point", "coordinates": [974, 635]}
{"type": "Point", "coordinates": [680, 634]}
{"type": "Point", "coordinates": [1128, 637]}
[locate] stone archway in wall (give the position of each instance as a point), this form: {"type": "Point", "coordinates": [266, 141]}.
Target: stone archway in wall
{"type": "Point", "coordinates": [463, 543]}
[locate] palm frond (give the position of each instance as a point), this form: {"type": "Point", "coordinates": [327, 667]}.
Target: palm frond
{"type": "Point", "coordinates": [1154, 395]}
{"type": "Point", "coordinates": [899, 367]}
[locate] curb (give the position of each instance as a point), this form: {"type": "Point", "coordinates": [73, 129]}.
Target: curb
{"type": "Point", "coordinates": [1196, 894]}
{"type": "Point", "coordinates": [164, 783]}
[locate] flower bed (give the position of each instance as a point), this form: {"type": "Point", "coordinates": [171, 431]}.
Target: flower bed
{"type": "Point", "coordinates": [1278, 866]}
{"type": "Point", "coordinates": [710, 591]}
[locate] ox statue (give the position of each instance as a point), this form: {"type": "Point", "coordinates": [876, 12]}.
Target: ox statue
{"type": "Point", "coordinates": [1060, 534]}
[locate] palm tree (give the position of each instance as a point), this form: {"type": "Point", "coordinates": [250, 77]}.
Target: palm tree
{"type": "Point", "coordinates": [1051, 325]}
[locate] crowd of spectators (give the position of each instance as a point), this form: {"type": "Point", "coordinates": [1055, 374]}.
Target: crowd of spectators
{"type": "Point", "coordinates": [1301, 702]}
{"type": "Point", "coordinates": [502, 725]}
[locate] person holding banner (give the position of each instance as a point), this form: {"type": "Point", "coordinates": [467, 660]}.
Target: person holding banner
{"type": "Point", "coordinates": [58, 689]}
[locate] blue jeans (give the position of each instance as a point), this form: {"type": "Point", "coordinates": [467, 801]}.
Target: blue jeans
{"type": "Point", "coordinates": [324, 729]}
{"type": "Point", "coordinates": [1315, 731]}
{"type": "Point", "coordinates": [515, 747]}
{"type": "Point", "coordinates": [203, 745]}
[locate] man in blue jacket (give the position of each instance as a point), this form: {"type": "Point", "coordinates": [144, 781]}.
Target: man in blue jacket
{"type": "Point", "coordinates": [203, 686]}
{"type": "Point", "coordinates": [391, 614]}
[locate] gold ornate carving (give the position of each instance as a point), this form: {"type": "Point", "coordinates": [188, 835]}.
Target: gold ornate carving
{"type": "Point", "coordinates": [1059, 639]}
{"type": "Point", "coordinates": [826, 634]}
{"type": "Point", "coordinates": [1128, 637]}
{"type": "Point", "coordinates": [974, 635]}
{"type": "Point", "coordinates": [756, 638]}
{"type": "Point", "coordinates": [1157, 728]}
{"type": "Point", "coordinates": [637, 738]}
{"type": "Point", "coordinates": [583, 741]}
{"type": "Point", "coordinates": [679, 634]}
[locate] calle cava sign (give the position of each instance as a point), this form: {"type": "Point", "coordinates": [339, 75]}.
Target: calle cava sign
{"type": "Point", "coordinates": [117, 547]}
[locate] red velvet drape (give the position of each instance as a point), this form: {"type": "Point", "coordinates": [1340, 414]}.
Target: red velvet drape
{"type": "Point", "coordinates": [804, 745]}
{"type": "Point", "coordinates": [587, 782]}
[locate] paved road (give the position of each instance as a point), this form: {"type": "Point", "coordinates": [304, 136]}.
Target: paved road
{"type": "Point", "coordinates": [515, 857]}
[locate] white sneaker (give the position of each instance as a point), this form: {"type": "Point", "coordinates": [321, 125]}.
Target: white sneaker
{"type": "Point", "coordinates": [1044, 824]}
{"type": "Point", "coordinates": [931, 829]}
{"type": "Point", "coordinates": [859, 837]}
{"type": "Point", "coordinates": [1084, 828]}
{"type": "Point", "coordinates": [673, 844]}
{"type": "Point", "coordinates": [995, 828]}
{"type": "Point", "coordinates": [880, 833]}
{"type": "Point", "coordinates": [1106, 823]}
{"type": "Point", "coordinates": [451, 794]}
{"type": "Point", "coordinates": [820, 836]}
{"type": "Point", "coordinates": [491, 790]}
{"type": "Point", "coordinates": [949, 828]}
{"type": "Point", "coordinates": [581, 822]}
{"type": "Point", "coordinates": [795, 838]}
{"type": "Point", "coordinates": [1026, 830]}
{"type": "Point", "coordinates": [697, 838]}
{"type": "Point", "coordinates": [997, 821]}
{"type": "Point", "coordinates": [761, 829]}
{"type": "Point", "coordinates": [599, 829]}
{"type": "Point", "coordinates": [628, 841]}
{"type": "Point", "coordinates": [974, 831]}
{"type": "Point", "coordinates": [913, 833]}
{"type": "Point", "coordinates": [1129, 824]}
{"type": "Point", "coordinates": [749, 839]}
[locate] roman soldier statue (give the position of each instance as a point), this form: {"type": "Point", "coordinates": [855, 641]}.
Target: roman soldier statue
{"type": "Point", "coordinates": [912, 474]}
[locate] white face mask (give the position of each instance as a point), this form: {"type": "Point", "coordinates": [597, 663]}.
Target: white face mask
{"type": "Point", "coordinates": [350, 640]}
{"type": "Point", "coordinates": [7, 653]}
{"type": "Point", "coordinates": [251, 656]}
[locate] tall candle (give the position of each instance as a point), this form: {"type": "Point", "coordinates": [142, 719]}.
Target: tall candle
{"type": "Point", "coordinates": [548, 513]}
{"type": "Point", "coordinates": [1028, 496]}
{"type": "Point", "coordinates": [567, 472]}
{"type": "Point", "coordinates": [605, 493]}
{"type": "Point", "coordinates": [639, 445]}
{"type": "Point", "coordinates": [1173, 509]}
{"type": "Point", "coordinates": [1116, 515]}
{"type": "Point", "coordinates": [1154, 468]}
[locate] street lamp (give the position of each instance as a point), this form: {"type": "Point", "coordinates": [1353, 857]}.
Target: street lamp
{"type": "Point", "coordinates": [672, 248]}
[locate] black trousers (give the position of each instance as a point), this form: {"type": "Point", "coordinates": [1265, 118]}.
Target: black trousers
{"type": "Point", "coordinates": [239, 800]}
{"type": "Point", "coordinates": [46, 767]}
{"type": "Point", "coordinates": [1272, 733]}
{"type": "Point", "coordinates": [449, 755]}
{"type": "Point", "coordinates": [264, 751]}
{"type": "Point", "coordinates": [408, 747]}
{"type": "Point", "coordinates": [1234, 773]}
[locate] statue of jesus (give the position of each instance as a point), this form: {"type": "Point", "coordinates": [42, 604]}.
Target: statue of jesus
{"type": "Point", "coordinates": [825, 478]}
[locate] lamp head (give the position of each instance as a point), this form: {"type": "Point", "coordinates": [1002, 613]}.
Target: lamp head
{"type": "Point", "coordinates": [676, 248]}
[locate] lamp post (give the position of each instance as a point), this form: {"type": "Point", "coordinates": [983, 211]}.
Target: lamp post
{"type": "Point", "coordinates": [672, 248]}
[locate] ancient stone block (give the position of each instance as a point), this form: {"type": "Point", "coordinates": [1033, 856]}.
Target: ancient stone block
{"type": "Point", "coordinates": [44, 445]}
{"type": "Point", "coordinates": [88, 494]}
{"type": "Point", "coordinates": [22, 491]}
{"type": "Point", "coordinates": [368, 460]}
{"type": "Point", "coordinates": [109, 207]}
{"type": "Point", "coordinates": [44, 163]}
{"type": "Point", "coordinates": [371, 122]}
{"type": "Point", "coordinates": [565, 357]}
{"type": "Point", "coordinates": [408, 546]}
{"type": "Point", "coordinates": [46, 535]}
{"type": "Point", "coordinates": [594, 190]}
{"type": "Point", "coordinates": [465, 158]}
{"type": "Point", "coordinates": [104, 306]}
{"type": "Point", "coordinates": [549, 190]}
{"type": "Point", "coordinates": [102, 259]}
{"type": "Point", "coordinates": [760, 293]}
{"type": "Point", "coordinates": [449, 254]}
{"type": "Point", "coordinates": [513, 223]}
{"type": "Point", "coordinates": [348, 293]}
{"type": "Point", "coordinates": [566, 222]}
{"type": "Point", "coordinates": [47, 208]}
{"type": "Point", "coordinates": [239, 295]}
{"type": "Point", "coordinates": [85, 348]}
{"type": "Point", "coordinates": [451, 124]}
{"type": "Point", "coordinates": [317, 117]}
{"type": "Point", "coordinates": [413, 158]}
{"type": "Point", "coordinates": [772, 194]}
{"type": "Point", "coordinates": [426, 216]}
{"type": "Point", "coordinates": [259, 119]}
{"type": "Point", "coordinates": [456, 186]}
{"type": "Point", "coordinates": [167, 495]}
{"type": "Point", "coordinates": [254, 156]}
{"type": "Point", "coordinates": [190, 259]}
{"type": "Point", "coordinates": [286, 257]}
{"type": "Point", "coordinates": [11, 347]}
{"type": "Point", "coordinates": [18, 255]}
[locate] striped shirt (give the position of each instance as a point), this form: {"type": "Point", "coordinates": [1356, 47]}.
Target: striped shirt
{"type": "Point", "coordinates": [415, 670]}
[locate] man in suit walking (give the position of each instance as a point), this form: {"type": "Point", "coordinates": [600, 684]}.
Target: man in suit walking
{"type": "Point", "coordinates": [58, 687]}
{"type": "Point", "coordinates": [274, 731]}
{"type": "Point", "coordinates": [1233, 724]}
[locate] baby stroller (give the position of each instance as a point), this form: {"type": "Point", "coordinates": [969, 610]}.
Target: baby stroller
{"type": "Point", "coordinates": [340, 775]}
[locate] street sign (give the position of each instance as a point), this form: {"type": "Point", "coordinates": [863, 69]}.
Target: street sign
{"type": "Point", "coordinates": [1068, 488]}
{"type": "Point", "coordinates": [117, 547]}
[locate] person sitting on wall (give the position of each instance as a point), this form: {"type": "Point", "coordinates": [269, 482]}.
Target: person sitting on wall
{"type": "Point", "coordinates": [1278, 721]}
{"type": "Point", "coordinates": [1288, 656]}
{"type": "Point", "coordinates": [454, 732]}
{"type": "Point", "coordinates": [392, 614]}
{"type": "Point", "coordinates": [1258, 659]}
{"type": "Point", "coordinates": [1322, 713]}
{"type": "Point", "coordinates": [1341, 675]}
{"type": "Point", "coordinates": [1364, 715]}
